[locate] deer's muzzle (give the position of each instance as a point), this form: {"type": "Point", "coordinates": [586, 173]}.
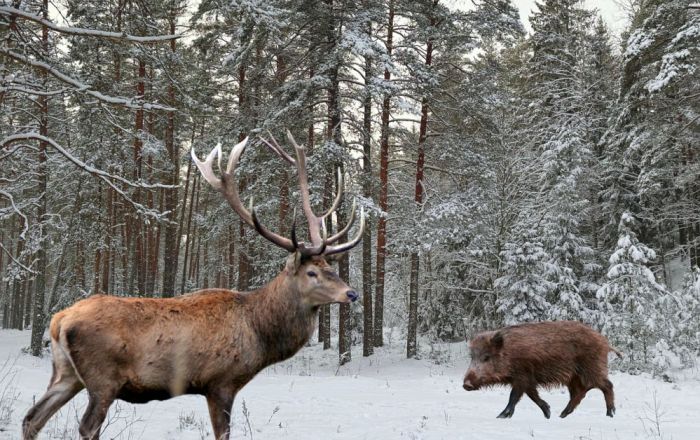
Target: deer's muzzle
{"type": "Point", "coordinates": [352, 295]}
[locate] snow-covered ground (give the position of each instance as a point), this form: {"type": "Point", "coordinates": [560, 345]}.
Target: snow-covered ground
{"type": "Point", "coordinates": [382, 397]}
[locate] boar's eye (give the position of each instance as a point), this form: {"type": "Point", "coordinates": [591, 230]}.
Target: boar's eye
{"type": "Point", "coordinates": [312, 274]}
{"type": "Point", "coordinates": [487, 358]}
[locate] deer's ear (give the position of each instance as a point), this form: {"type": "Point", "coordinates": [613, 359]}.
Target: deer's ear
{"type": "Point", "coordinates": [293, 263]}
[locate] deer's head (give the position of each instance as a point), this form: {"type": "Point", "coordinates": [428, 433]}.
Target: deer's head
{"type": "Point", "coordinates": [306, 267]}
{"type": "Point", "coordinates": [316, 281]}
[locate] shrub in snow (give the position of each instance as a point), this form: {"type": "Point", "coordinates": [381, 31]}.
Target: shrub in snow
{"type": "Point", "coordinates": [627, 301]}
{"type": "Point", "coordinates": [523, 289]}
{"type": "Point", "coordinates": [679, 313]}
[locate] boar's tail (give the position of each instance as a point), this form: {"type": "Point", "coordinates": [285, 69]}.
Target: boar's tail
{"type": "Point", "coordinates": [616, 351]}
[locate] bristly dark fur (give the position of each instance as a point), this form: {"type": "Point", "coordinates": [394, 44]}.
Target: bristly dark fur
{"type": "Point", "coordinates": [546, 354]}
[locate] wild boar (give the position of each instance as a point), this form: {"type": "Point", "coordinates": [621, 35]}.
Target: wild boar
{"type": "Point", "coordinates": [545, 354]}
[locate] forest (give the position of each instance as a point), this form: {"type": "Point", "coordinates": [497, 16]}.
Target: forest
{"type": "Point", "coordinates": [507, 176]}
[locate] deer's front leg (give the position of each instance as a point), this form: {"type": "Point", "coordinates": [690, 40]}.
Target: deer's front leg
{"type": "Point", "coordinates": [220, 404]}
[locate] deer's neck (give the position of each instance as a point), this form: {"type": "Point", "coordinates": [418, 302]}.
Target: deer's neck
{"type": "Point", "coordinates": [281, 319]}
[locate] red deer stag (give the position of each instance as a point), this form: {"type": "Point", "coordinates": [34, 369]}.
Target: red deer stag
{"type": "Point", "coordinates": [211, 342]}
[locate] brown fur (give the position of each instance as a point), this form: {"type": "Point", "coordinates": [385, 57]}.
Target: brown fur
{"type": "Point", "coordinates": [211, 342]}
{"type": "Point", "coordinates": [545, 354]}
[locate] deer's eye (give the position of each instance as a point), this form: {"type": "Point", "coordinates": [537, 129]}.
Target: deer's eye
{"type": "Point", "coordinates": [312, 274]}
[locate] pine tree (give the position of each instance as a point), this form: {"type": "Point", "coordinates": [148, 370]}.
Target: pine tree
{"type": "Point", "coordinates": [627, 300]}
{"type": "Point", "coordinates": [561, 121]}
{"type": "Point", "coordinates": [522, 289]}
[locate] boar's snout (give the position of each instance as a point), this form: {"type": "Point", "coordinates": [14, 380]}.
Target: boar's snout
{"type": "Point", "coordinates": [469, 381]}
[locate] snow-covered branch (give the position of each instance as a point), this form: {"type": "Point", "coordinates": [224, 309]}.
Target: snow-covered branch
{"type": "Point", "coordinates": [35, 92]}
{"type": "Point", "coordinates": [9, 254]}
{"type": "Point", "coordinates": [14, 150]}
{"type": "Point", "coordinates": [91, 170]}
{"type": "Point", "coordinates": [118, 36]}
{"type": "Point", "coordinates": [82, 87]}
{"type": "Point", "coordinates": [9, 197]}
{"type": "Point", "coordinates": [104, 176]}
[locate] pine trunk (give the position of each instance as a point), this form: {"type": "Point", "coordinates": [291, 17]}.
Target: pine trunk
{"type": "Point", "coordinates": [188, 233]}
{"type": "Point", "coordinates": [243, 247]}
{"type": "Point", "coordinates": [411, 342]}
{"type": "Point", "coordinates": [138, 230]}
{"type": "Point", "coordinates": [367, 333]}
{"type": "Point", "coordinates": [383, 194]}
{"type": "Point", "coordinates": [171, 248]}
{"type": "Point", "coordinates": [38, 316]}
{"type": "Point", "coordinates": [344, 314]}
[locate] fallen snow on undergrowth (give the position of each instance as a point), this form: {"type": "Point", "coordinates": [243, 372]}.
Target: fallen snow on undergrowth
{"type": "Point", "coordinates": [381, 397]}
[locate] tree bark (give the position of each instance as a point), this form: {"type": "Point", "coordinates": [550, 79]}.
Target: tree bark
{"type": "Point", "coordinates": [324, 328]}
{"type": "Point", "coordinates": [411, 338]}
{"type": "Point", "coordinates": [181, 223]}
{"type": "Point", "coordinates": [138, 232]}
{"type": "Point", "coordinates": [345, 312]}
{"type": "Point", "coordinates": [106, 256]}
{"type": "Point", "coordinates": [367, 333]}
{"type": "Point", "coordinates": [243, 260]}
{"type": "Point", "coordinates": [383, 194]}
{"type": "Point", "coordinates": [171, 245]}
{"type": "Point", "coordinates": [188, 242]}
{"type": "Point", "coordinates": [38, 315]}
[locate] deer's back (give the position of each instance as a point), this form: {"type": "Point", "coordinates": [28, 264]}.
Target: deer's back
{"type": "Point", "coordinates": [155, 348]}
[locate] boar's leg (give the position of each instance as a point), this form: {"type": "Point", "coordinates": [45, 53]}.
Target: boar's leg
{"type": "Point", "coordinates": [515, 394]}
{"type": "Point", "coordinates": [534, 395]}
{"type": "Point", "coordinates": [576, 392]}
{"type": "Point", "coordinates": [607, 389]}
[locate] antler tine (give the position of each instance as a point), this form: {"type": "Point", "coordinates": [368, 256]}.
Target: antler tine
{"type": "Point", "coordinates": [338, 196]}
{"type": "Point", "coordinates": [294, 229]}
{"type": "Point", "coordinates": [227, 186]}
{"type": "Point", "coordinates": [330, 250]}
{"type": "Point", "coordinates": [311, 218]}
{"type": "Point", "coordinates": [206, 167]}
{"type": "Point", "coordinates": [338, 235]}
{"type": "Point", "coordinates": [235, 156]}
{"type": "Point", "coordinates": [277, 149]}
{"type": "Point", "coordinates": [280, 241]}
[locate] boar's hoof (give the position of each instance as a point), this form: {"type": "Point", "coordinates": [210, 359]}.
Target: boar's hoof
{"type": "Point", "coordinates": [565, 413]}
{"type": "Point", "coordinates": [506, 413]}
{"type": "Point", "coordinates": [611, 412]}
{"type": "Point", "coordinates": [545, 410]}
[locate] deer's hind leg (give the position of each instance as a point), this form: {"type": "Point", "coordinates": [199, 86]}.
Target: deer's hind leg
{"type": "Point", "coordinates": [64, 384]}
{"type": "Point", "coordinates": [95, 414]}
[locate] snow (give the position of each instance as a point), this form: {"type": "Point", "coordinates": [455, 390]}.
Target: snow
{"type": "Point", "coordinates": [670, 67]}
{"type": "Point", "coordinates": [381, 397]}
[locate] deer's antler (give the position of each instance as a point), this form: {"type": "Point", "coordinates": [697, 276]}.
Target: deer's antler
{"type": "Point", "coordinates": [320, 243]}
{"type": "Point", "coordinates": [227, 186]}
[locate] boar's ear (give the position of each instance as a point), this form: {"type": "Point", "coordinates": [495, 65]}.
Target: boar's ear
{"type": "Point", "coordinates": [497, 340]}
